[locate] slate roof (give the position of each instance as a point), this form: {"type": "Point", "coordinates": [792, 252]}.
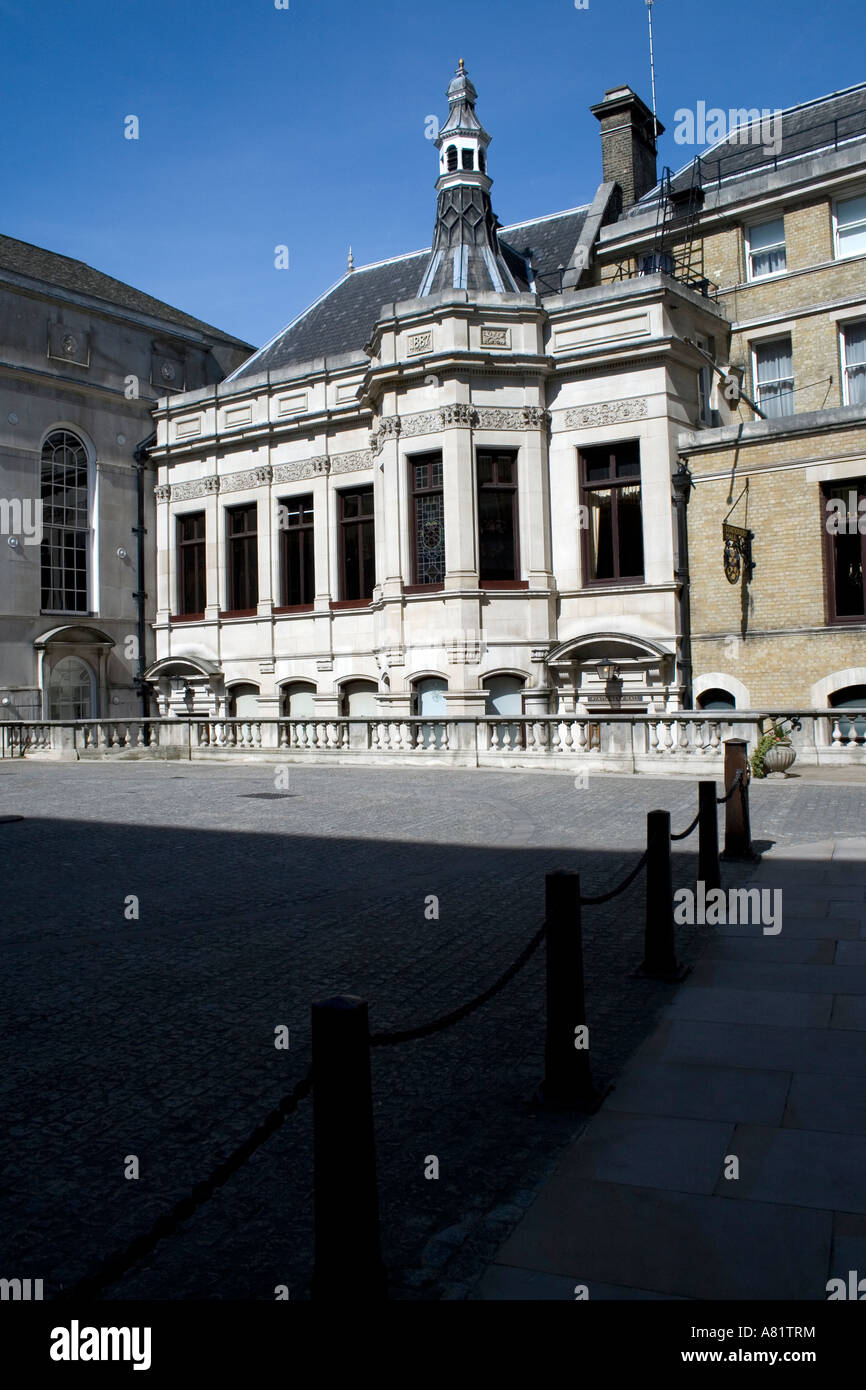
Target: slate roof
{"type": "Point", "coordinates": [342, 320]}
{"type": "Point", "coordinates": [822, 124]}
{"type": "Point", "coordinates": [38, 264]}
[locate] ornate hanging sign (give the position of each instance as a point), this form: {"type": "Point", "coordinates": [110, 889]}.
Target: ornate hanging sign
{"type": "Point", "coordinates": [738, 551]}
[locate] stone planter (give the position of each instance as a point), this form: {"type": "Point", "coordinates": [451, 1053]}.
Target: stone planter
{"type": "Point", "coordinates": [779, 758]}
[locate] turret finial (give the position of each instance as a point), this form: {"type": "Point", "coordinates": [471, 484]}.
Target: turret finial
{"type": "Point", "coordinates": [351, 260]}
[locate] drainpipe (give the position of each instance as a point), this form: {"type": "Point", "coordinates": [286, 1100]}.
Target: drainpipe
{"type": "Point", "coordinates": [682, 483]}
{"type": "Point", "coordinates": [142, 461]}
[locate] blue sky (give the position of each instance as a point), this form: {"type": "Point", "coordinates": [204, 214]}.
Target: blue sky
{"type": "Point", "coordinates": [305, 127]}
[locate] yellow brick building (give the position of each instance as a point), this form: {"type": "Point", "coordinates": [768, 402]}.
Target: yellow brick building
{"type": "Point", "coordinates": [773, 596]}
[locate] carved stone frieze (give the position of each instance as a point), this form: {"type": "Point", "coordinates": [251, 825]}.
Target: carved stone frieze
{"type": "Point", "coordinates": [251, 477]}
{"type": "Point", "coordinates": [302, 468]}
{"type": "Point", "coordinates": [162, 493]}
{"type": "Point", "coordinates": [353, 462]}
{"type": "Point", "coordinates": [460, 414]}
{"type": "Point", "coordinates": [197, 487]}
{"type": "Point", "coordinates": [606, 413]}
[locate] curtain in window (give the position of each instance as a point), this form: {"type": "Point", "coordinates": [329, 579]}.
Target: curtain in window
{"type": "Point", "coordinates": [775, 369]}
{"type": "Point", "coordinates": [855, 363]}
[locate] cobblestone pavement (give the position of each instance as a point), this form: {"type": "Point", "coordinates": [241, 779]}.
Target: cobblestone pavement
{"type": "Point", "coordinates": [155, 1037]}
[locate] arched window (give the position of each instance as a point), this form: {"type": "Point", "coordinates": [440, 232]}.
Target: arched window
{"type": "Point", "coordinates": [71, 690]}
{"type": "Point", "coordinates": [296, 700]}
{"type": "Point", "coordinates": [65, 524]}
{"type": "Point", "coordinates": [716, 699]}
{"type": "Point", "coordinates": [505, 697]}
{"type": "Point", "coordinates": [243, 701]}
{"type": "Point", "coordinates": [468, 159]}
{"type": "Point", "coordinates": [850, 697]}
{"type": "Point", "coordinates": [428, 701]}
{"type": "Point", "coordinates": [358, 699]}
{"type": "Point", "coordinates": [451, 158]}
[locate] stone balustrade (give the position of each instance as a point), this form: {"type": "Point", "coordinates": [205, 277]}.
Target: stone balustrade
{"type": "Point", "coordinates": [644, 743]}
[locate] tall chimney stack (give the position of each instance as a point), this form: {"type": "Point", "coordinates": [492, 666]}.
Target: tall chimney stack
{"type": "Point", "coordinates": [628, 142]}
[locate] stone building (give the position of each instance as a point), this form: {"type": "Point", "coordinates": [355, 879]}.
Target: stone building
{"type": "Point", "coordinates": [84, 358]}
{"type": "Point", "coordinates": [776, 517]}
{"type": "Point", "coordinates": [446, 486]}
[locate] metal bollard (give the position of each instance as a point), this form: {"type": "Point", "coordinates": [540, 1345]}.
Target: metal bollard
{"type": "Point", "coordinates": [738, 833]}
{"type": "Point", "coordinates": [348, 1261]}
{"type": "Point", "coordinates": [567, 1081]}
{"type": "Point", "coordinates": [660, 960]}
{"type": "Point", "coordinates": [708, 835]}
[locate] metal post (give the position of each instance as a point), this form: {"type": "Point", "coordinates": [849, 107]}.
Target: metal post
{"type": "Point", "coordinates": [708, 835]}
{"type": "Point", "coordinates": [567, 1075]}
{"type": "Point", "coordinates": [660, 960]}
{"type": "Point", "coordinates": [348, 1262]}
{"type": "Point", "coordinates": [738, 833]}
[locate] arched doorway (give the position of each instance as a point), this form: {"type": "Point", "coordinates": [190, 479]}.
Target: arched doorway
{"type": "Point", "coordinates": [358, 699]}
{"type": "Point", "coordinates": [504, 698]}
{"type": "Point", "coordinates": [71, 690]}
{"type": "Point", "coordinates": [243, 701]}
{"type": "Point", "coordinates": [296, 700]}
{"type": "Point", "coordinates": [428, 701]}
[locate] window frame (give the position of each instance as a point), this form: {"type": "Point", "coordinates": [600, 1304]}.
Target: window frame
{"type": "Point", "coordinates": [80, 533]}
{"type": "Point", "coordinates": [182, 548]}
{"type": "Point", "coordinates": [343, 525]}
{"type": "Point", "coordinates": [754, 347]}
{"type": "Point", "coordinates": [413, 461]}
{"type": "Point", "coordinates": [751, 227]}
{"type": "Point", "coordinates": [230, 611]}
{"type": "Point", "coordinates": [305, 532]}
{"type": "Point", "coordinates": [861, 222]}
{"type": "Point", "coordinates": [843, 356]}
{"type": "Point", "coordinates": [839, 488]}
{"type": "Point", "coordinates": [614, 484]}
{"type": "Point", "coordinates": [496, 486]}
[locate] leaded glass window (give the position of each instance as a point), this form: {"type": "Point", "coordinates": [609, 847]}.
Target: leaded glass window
{"type": "Point", "coordinates": [428, 509]}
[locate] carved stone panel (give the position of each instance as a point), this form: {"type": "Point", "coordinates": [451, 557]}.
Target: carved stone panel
{"type": "Point", "coordinates": [251, 477]}
{"type": "Point", "coordinates": [496, 337]}
{"type": "Point", "coordinates": [606, 413]}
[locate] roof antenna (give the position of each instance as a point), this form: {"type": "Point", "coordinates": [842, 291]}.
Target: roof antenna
{"type": "Point", "coordinates": [649, 6]}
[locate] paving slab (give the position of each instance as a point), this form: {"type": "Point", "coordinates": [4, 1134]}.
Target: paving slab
{"type": "Point", "coordinates": [849, 1011]}
{"type": "Point", "coordinates": [775, 975]}
{"type": "Point", "coordinates": [798, 1167]}
{"type": "Point", "coordinates": [839, 1107]}
{"type": "Point", "coordinates": [786, 949]}
{"type": "Point", "coordinates": [681, 1155]}
{"type": "Point", "coordinates": [724, 1004]}
{"type": "Point", "coordinates": [756, 1045]}
{"type": "Point", "coordinates": [701, 1092]}
{"type": "Point", "coordinates": [674, 1242]}
{"type": "Point", "coordinates": [508, 1283]}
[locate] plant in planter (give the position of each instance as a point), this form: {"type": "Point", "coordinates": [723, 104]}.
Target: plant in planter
{"type": "Point", "coordinates": [774, 754]}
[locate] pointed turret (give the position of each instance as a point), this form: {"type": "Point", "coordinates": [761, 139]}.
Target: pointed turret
{"type": "Point", "coordinates": [466, 253]}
